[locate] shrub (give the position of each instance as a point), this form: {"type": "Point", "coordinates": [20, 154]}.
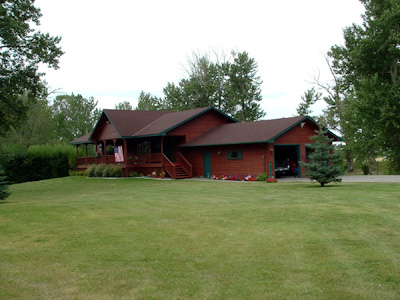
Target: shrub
{"type": "Point", "coordinates": [262, 177]}
{"type": "Point", "coordinates": [365, 169]}
{"type": "Point", "coordinates": [77, 173]}
{"type": "Point", "coordinates": [37, 162]}
{"type": "Point", "coordinates": [4, 193]}
{"type": "Point", "coordinates": [117, 171]}
{"type": "Point", "coordinates": [133, 174]}
{"type": "Point", "coordinates": [90, 171]}
{"type": "Point", "coordinates": [99, 170]}
{"type": "Point", "coordinates": [108, 171]}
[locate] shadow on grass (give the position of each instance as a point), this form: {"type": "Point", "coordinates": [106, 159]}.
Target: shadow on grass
{"type": "Point", "coordinates": [4, 202]}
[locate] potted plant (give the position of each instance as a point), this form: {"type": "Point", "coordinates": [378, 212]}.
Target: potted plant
{"type": "Point", "coordinates": [154, 174]}
{"type": "Point", "coordinates": [162, 174]}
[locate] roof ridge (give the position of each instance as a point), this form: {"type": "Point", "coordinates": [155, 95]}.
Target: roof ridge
{"type": "Point", "coordinates": [151, 123]}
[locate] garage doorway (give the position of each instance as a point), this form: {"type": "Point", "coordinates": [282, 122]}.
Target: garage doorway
{"type": "Point", "coordinates": [287, 159]}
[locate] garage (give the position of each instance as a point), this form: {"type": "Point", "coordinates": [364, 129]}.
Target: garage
{"type": "Point", "coordinates": [287, 159]}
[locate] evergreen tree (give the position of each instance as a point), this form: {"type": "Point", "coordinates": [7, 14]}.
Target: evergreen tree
{"type": "Point", "coordinates": [4, 193]}
{"type": "Point", "coordinates": [325, 164]}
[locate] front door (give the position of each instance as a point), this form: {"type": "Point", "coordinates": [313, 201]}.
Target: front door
{"type": "Point", "coordinates": [207, 164]}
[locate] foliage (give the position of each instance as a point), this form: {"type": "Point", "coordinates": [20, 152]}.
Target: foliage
{"type": "Point", "coordinates": [74, 116]}
{"type": "Point", "coordinates": [133, 174]}
{"type": "Point", "coordinates": [37, 162]}
{"type": "Point", "coordinates": [4, 192]}
{"type": "Point", "coordinates": [368, 67]}
{"type": "Point", "coordinates": [262, 177]}
{"type": "Point", "coordinates": [326, 164]}
{"type": "Point", "coordinates": [37, 128]}
{"type": "Point", "coordinates": [90, 171]}
{"type": "Point", "coordinates": [125, 105]}
{"type": "Point", "coordinates": [232, 86]}
{"type": "Point", "coordinates": [77, 173]}
{"type": "Point", "coordinates": [104, 170]}
{"type": "Point", "coordinates": [22, 50]}
{"type": "Point", "coordinates": [244, 88]}
{"type": "Point", "coordinates": [309, 98]}
{"type": "Point", "coordinates": [148, 102]}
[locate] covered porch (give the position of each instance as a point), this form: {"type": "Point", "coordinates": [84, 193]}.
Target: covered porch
{"type": "Point", "coordinates": [141, 155]}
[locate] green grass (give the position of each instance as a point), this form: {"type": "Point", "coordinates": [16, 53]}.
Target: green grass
{"type": "Point", "coordinates": [78, 238]}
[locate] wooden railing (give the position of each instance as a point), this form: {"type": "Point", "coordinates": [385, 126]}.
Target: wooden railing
{"type": "Point", "coordinates": [132, 159]}
{"type": "Point", "coordinates": [185, 164]}
{"type": "Point", "coordinates": [168, 166]}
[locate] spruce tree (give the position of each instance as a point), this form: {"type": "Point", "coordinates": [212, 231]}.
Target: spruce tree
{"type": "Point", "coordinates": [325, 164]}
{"type": "Point", "coordinates": [4, 193]}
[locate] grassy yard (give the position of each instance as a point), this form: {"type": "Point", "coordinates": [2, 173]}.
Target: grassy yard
{"type": "Point", "coordinates": [78, 238]}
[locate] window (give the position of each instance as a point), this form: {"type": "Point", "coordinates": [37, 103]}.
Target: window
{"type": "Point", "coordinates": [236, 154]}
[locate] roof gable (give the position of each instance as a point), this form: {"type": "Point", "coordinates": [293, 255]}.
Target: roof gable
{"type": "Point", "coordinates": [174, 119]}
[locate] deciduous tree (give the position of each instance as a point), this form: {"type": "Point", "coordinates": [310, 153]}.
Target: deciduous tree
{"type": "Point", "coordinates": [22, 49]}
{"type": "Point", "coordinates": [74, 116]}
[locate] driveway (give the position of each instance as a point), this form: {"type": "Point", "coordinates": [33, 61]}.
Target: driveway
{"type": "Point", "coordinates": [354, 178]}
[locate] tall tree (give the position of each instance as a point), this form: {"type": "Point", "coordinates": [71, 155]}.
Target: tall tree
{"type": "Point", "coordinates": [309, 98]}
{"type": "Point", "coordinates": [244, 87]}
{"type": "Point", "coordinates": [148, 102]}
{"type": "Point", "coordinates": [74, 116]}
{"type": "Point", "coordinates": [369, 63]}
{"type": "Point", "coordinates": [125, 105]}
{"type": "Point", "coordinates": [231, 85]}
{"type": "Point", "coordinates": [22, 49]}
{"type": "Point", "coordinates": [37, 128]}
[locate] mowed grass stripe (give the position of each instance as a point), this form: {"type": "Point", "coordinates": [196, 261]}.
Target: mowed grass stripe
{"type": "Point", "coordinates": [148, 239]}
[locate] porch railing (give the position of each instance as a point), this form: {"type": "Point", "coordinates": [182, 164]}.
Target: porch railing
{"type": "Point", "coordinates": [168, 166]}
{"type": "Point", "coordinates": [185, 164]}
{"type": "Point", "coordinates": [132, 159]}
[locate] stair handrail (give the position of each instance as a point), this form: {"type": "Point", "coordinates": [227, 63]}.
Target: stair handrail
{"type": "Point", "coordinates": [168, 166]}
{"type": "Point", "coordinates": [185, 164]}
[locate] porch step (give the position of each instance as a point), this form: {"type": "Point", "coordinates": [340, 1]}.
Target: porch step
{"type": "Point", "coordinates": [180, 172]}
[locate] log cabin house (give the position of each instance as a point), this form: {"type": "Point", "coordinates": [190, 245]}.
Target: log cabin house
{"type": "Point", "coordinates": [198, 142]}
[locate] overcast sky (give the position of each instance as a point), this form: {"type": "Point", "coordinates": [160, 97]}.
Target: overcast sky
{"type": "Point", "coordinates": [115, 49]}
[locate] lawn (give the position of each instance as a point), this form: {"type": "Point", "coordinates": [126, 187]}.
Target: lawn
{"type": "Point", "coordinates": [78, 238]}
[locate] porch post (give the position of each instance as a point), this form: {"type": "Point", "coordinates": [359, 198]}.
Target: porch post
{"type": "Point", "coordinates": [162, 145]}
{"type": "Point", "coordinates": [126, 174]}
{"type": "Point", "coordinates": [77, 153]}
{"type": "Point", "coordinates": [97, 153]}
{"type": "Point", "coordinates": [105, 151]}
{"type": "Point", "coordinates": [149, 152]}
{"type": "Point", "coordinates": [86, 152]}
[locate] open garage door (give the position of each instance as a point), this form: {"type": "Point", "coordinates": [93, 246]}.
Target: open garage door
{"type": "Point", "coordinates": [287, 159]}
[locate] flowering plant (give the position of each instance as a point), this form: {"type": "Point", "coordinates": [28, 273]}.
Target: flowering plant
{"type": "Point", "coordinates": [271, 180]}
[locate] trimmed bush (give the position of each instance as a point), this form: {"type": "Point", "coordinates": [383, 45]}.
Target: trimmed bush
{"type": "Point", "coordinates": [262, 177]}
{"type": "Point", "coordinates": [90, 171]}
{"type": "Point", "coordinates": [117, 171]}
{"type": "Point", "coordinates": [4, 193]}
{"type": "Point", "coordinates": [99, 170]}
{"type": "Point", "coordinates": [37, 162]}
{"type": "Point", "coordinates": [133, 174]}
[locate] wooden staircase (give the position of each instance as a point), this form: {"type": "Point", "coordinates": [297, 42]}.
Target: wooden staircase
{"type": "Point", "coordinates": [180, 171]}
{"type": "Point", "coordinates": [177, 170]}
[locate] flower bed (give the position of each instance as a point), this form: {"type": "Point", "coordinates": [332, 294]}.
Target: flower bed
{"type": "Point", "coordinates": [234, 177]}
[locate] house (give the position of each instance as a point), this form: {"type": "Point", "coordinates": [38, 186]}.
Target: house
{"type": "Point", "coordinates": [197, 142]}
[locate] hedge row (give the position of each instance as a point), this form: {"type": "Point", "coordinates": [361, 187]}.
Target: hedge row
{"type": "Point", "coordinates": [37, 162]}
{"type": "Point", "coordinates": [103, 170]}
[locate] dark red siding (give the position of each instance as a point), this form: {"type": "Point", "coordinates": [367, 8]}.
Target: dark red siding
{"type": "Point", "coordinates": [105, 130]}
{"type": "Point", "coordinates": [253, 162]}
{"type": "Point", "coordinates": [199, 125]}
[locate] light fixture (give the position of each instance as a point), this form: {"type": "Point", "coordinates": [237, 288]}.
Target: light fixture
{"type": "Point", "coordinates": [302, 124]}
